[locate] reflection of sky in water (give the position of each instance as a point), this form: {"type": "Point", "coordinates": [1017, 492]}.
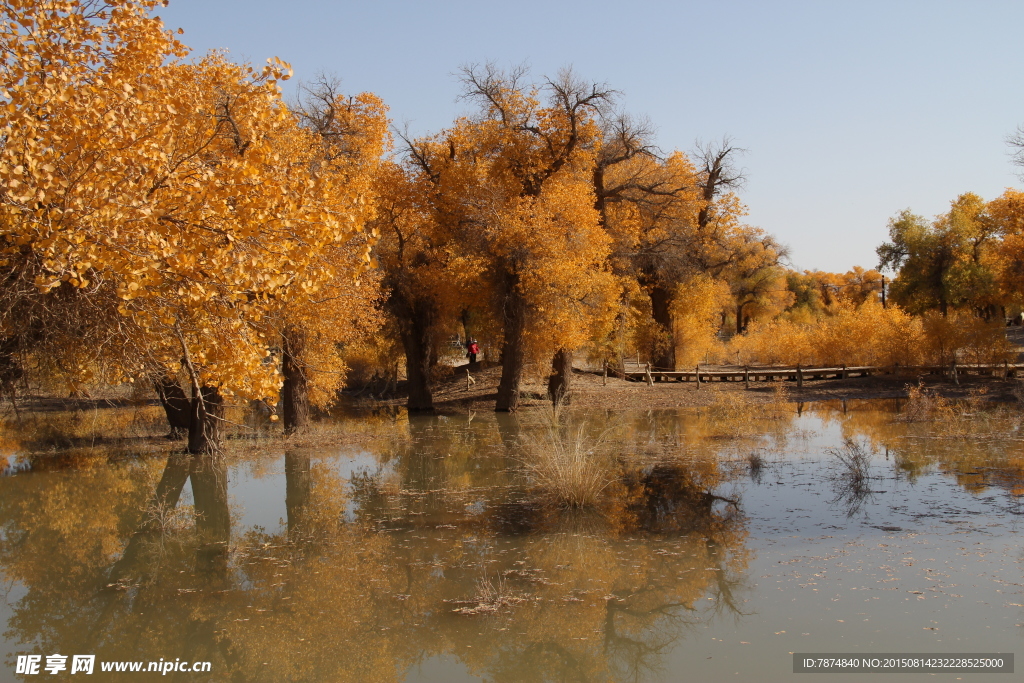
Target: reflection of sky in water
{"type": "Point", "coordinates": [257, 495]}
{"type": "Point", "coordinates": [13, 464]}
{"type": "Point", "coordinates": [922, 566]}
{"type": "Point", "coordinates": [10, 594]}
{"type": "Point", "coordinates": [441, 669]}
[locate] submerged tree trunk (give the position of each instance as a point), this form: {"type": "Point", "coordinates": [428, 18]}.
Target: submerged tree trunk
{"type": "Point", "coordinates": [417, 321]}
{"type": "Point", "coordinates": [663, 357]}
{"type": "Point", "coordinates": [297, 487]}
{"type": "Point", "coordinates": [295, 392]}
{"type": "Point", "coordinates": [513, 350]}
{"type": "Point", "coordinates": [204, 425]}
{"type": "Point", "coordinates": [560, 381]}
{"type": "Point", "coordinates": [175, 403]}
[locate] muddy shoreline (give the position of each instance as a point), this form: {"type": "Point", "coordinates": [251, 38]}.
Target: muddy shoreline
{"type": "Point", "coordinates": [455, 394]}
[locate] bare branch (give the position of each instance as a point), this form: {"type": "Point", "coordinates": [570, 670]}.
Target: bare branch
{"type": "Point", "coordinates": [716, 162]}
{"type": "Point", "coordinates": [1016, 143]}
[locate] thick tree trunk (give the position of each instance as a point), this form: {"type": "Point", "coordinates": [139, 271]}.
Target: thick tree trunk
{"type": "Point", "coordinates": [204, 425]}
{"type": "Point", "coordinates": [416, 328]}
{"type": "Point", "coordinates": [513, 350]}
{"type": "Point", "coordinates": [297, 486]}
{"type": "Point", "coordinates": [663, 358]}
{"type": "Point", "coordinates": [295, 392]}
{"type": "Point", "coordinates": [175, 403]}
{"type": "Point", "coordinates": [740, 326]}
{"type": "Point", "coordinates": [560, 381]}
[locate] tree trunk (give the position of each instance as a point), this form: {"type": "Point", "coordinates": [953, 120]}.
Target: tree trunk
{"type": "Point", "coordinates": [560, 381]}
{"type": "Point", "coordinates": [204, 425]}
{"type": "Point", "coordinates": [175, 404]}
{"type": "Point", "coordinates": [417, 322]}
{"type": "Point", "coordinates": [10, 368]}
{"type": "Point", "coordinates": [663, 358]}
{"type": "Point", "coordinates": [295, 393]}
{"type": "Point", "coordinates": [297, 485]}
{"type": "Point", "coordinates": [740, 327]}
{"type": "Point", "coordinates": [513, 350]}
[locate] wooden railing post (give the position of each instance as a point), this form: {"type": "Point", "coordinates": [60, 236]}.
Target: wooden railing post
{"type": "Point", "coordinates": [604, 380]}
{"type": "Point", "coordinates": [696, 374]}
{"type": "Point", "coordinates": [650, 380]}
{"type": "Point", "coordinates": [799, 377]}
{"type": "Point", "coordinates": [746, 377]}
{"type": "Point", "coordinates": [844, 371]}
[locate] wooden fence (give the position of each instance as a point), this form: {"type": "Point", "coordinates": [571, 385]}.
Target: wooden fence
{"type": "Point", "coordinates": [761, 373]}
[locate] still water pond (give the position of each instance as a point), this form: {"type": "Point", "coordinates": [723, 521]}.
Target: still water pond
{"type": "Point", "coordinates": [426, 549]}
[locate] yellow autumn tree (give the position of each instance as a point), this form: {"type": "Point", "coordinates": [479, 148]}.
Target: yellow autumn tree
{"type": "Point", "coordinates": [514, 184]}
{"type": "Point", "coordinates": [698, 304]}
{"type": "Point", "coordinates": [185, 195]}
{"type": "Point", "coordinates": [332, 301]}
{"type": "Point", "coordinates": [1007, 212]}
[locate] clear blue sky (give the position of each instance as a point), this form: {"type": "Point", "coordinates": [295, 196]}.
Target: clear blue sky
{"type": "Point", "coordinates": [850, 111]}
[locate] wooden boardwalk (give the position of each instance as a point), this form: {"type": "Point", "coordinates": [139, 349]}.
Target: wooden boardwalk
{"type": "Point", "coordinates": [798, 374]}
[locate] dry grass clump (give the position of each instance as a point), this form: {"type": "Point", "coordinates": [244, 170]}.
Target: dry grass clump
{"type": "Point", "coordinates": [851, 482]}
{"type": "Point", "coordinates": [491, 596]}
{"type": "Point", "coordinates": [567, 460]}
{"type": "Point", "coordinates": [855, 459]}
{"type": "Point", "coordinates": [168, 519]}
{"type": "Point", "coordinates": [755, 464]}
{"type": "Point", "coordinates": [779, 405]}
{"type": "Point", "coordinates": [922, 405]}
{"type": "Point", "coordinates": [959, 419]}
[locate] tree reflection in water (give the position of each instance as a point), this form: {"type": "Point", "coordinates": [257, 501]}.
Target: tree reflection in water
{"type": "Point", "coordinates": [368, 575]}
{"type": "Point", "coordinates": [605, 592]}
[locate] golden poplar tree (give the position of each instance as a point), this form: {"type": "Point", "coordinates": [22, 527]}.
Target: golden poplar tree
{"type": "Point", "coordinates": [185, 196]}
{"type": "Point", "coordinates": [514, 183]}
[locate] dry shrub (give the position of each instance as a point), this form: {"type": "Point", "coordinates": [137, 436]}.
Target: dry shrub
{"type": "Point", "coordinates": [168, 519]}
{"type": "Point", "coordinates": [958, 419]}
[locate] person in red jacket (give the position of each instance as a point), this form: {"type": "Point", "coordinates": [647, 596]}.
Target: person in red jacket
{"type": "Point", "coordinates": [473, 350]}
